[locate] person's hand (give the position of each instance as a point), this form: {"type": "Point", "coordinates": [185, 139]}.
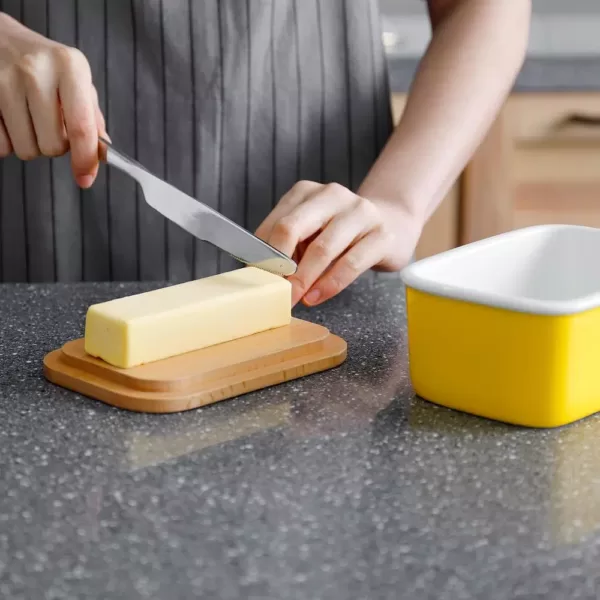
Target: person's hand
{"type": "Point", "coordinates": [48, 103]}
{"type": "Point", "coordinates": [335, 236]}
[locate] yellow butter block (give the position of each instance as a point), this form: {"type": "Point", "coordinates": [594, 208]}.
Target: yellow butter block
{"type": "Point", "coordinates": [155, 325]}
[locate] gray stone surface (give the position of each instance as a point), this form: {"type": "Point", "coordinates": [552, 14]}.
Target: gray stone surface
{"type": "Point", "coordinates": [338, 486]}
{"type": "Point", "coordinates": [537, 74]}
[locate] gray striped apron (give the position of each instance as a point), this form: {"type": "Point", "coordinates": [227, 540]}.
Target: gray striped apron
{"type": "Point", "coordinates": [231, 101]}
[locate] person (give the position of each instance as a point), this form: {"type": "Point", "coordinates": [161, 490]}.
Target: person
{"type": "Point", "coordinates": [277, 114]}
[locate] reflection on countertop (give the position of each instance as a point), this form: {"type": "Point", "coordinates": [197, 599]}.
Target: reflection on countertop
{"type": "Point", "coordinates": [340, 485]}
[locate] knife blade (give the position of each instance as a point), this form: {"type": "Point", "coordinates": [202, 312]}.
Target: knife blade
{"type": "Point", "coordinates": [199, 219]}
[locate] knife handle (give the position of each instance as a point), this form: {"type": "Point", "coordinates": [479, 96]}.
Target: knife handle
{"type": "Point", "coordinates": [103, 146]}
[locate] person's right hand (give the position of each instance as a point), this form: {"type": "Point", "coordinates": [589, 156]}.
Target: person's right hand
{"type": "Point", "coordinates": [48, 103]}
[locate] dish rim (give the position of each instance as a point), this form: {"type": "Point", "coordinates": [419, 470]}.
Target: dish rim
{"type": "Point", "coordinates": [412, 278]}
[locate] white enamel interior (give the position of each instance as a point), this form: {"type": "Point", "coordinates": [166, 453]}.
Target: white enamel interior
{"type": "Point", "coordinates": [547, 269]}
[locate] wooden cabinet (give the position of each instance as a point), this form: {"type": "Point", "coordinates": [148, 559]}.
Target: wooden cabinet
{"type": "Point", "coordinates": [539, 164]}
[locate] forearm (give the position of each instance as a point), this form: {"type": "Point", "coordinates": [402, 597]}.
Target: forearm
{"type": "Point", "coordinates": [475, 54]}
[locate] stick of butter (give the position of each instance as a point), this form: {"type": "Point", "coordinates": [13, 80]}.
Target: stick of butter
{"type": "Point", "coordinates": [154, 325]}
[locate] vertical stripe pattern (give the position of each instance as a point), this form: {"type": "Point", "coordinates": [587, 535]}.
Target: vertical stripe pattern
{"type": "Point", "coordinates": [232, 101]}
{"type": "Point", "coordinates": [37, 192]}
{"type": "Point", "coordinates": [233, 20]}
{"type": "Point", "coordinates": [286, 97]}
{"type": "Point", "coordinates": [179, 130]}
{"type": "Point", "coordinates": [311, 97]}
{"type": "Point", "coordinates": [62, 27]}
{"type": "Point", "coordinates": [120, 116]}
{"type": "Point", "coordinates": [95, 217]}
{"type": "Point", "coordinates": [336, 142]}
{"type": "Point", "coordinates": [261, 114]}
{"type": "Point", "coordinates": [150, 139]}
{"type": "Point", "coordinates": [208, 120]}
{"type": "Point", "coordinates": [380, 82]}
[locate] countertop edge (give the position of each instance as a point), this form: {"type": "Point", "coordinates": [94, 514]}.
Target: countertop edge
{"type": "Point", "coordinates": [537, 75]}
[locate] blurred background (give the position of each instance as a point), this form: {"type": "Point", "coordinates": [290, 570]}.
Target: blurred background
{"type": "Point", "coordinates": [540, 162]}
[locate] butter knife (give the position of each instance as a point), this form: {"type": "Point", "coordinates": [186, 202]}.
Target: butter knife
{"type": "Point", "coordinates": [198, 219]}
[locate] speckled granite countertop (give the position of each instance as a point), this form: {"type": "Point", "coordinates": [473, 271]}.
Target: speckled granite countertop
{"type": "Point", "coordinates": [338, 486]}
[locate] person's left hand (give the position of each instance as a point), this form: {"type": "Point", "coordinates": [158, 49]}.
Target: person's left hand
{"type": "Point", "coordinates": [335, 235]}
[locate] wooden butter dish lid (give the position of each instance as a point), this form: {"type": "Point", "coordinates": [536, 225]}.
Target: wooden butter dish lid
{"type": "Point", "coordinates": [201, 377]}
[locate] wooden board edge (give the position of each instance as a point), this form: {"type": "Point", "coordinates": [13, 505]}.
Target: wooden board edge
{"type": "Point", "coordinates": [313, 335]}
{"type": "Point", "coordinates": [333, 354]}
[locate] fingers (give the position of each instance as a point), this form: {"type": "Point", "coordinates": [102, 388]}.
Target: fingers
{"type": "Point", "coordinates": [341, 233]}
{"type": "Point", "coordinates": [334, 236]}
{"type": "Point", "coordinates": [361, 257]}
{"type": "Point", "coordinates": [79, 111]}
{"type": "Point", "coordinates": [5, 145]}
{"type": "Point", "coordinates": [100, 122]}
{"type": "Point", "coordinates": [39, 77]}
{"type": "Point", "coordinates": [298, 194]}
{"type": "Point", "coordinates": [309, 217]}
{"type": "Point", "coordinates": [317, 224]}
{"type": "Point", "coordinates": [101, 126]}
{"type": "Point", "coordinates": [48, 105]}
{"type": "Point", "coordinates": [15, 113]}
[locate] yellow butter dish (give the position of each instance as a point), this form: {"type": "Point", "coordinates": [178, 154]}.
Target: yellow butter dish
{"type": "Point", "coordinates": [508, 328]}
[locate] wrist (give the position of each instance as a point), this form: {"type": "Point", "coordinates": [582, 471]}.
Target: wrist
{"type": "Point", "coordinates": [394, 194]}
{"type": "Point", "coordinates": [400, 208]}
